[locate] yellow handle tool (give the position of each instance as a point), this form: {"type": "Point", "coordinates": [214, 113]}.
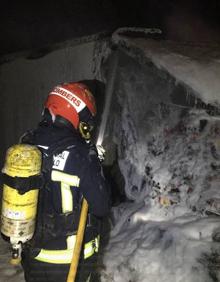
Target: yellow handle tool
{"type": "Point", "coordinates": [78, 245]}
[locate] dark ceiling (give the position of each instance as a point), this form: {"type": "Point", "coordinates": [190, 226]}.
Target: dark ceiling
{"type": "Point", "coordinates": [35, 24]}
{"type": "Point", "coordinates": [28, 25]}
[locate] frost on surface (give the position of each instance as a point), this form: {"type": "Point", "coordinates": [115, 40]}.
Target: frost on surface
{"type": "Point", "coordinates": [194, 65]}
{"type": "Point", "coordinates": [169, 156]}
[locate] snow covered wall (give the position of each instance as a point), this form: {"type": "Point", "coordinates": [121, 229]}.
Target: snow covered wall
{"type": "Point", "coordinates": [167, 139]}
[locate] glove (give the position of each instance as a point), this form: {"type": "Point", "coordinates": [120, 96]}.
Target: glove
{"type": "Point", "coordinates": [101, 153]}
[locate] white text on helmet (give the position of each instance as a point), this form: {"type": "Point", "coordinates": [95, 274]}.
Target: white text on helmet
{"type": "Point", "coordinates": [77, 103]}
{"type": "Point", "coordinates": [69, 96]}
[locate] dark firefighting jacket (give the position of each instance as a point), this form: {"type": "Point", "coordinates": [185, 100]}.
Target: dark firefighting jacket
{"type": "Point", "coordinates": [71, 170]}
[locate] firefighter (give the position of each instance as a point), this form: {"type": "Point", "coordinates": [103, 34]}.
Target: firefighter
{"type": "Point", "coordinates": [71, 170]}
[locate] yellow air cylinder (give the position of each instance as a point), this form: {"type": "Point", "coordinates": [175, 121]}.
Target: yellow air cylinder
{"type": "Point", "coordinates": [18, 214]}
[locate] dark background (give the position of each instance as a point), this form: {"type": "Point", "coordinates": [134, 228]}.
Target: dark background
{"type": "Point", "coordinates": [28, 25]}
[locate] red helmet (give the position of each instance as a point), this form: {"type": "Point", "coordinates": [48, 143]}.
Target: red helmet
{"type": "Point", "coordinates": [70, 101]}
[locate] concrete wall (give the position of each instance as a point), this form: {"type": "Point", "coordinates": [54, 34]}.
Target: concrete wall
{"type": "Point", "coordinates": [24, 85]}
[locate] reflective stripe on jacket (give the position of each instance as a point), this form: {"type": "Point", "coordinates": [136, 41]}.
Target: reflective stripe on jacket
{"type": "Point", "coordinates": [65, 256]}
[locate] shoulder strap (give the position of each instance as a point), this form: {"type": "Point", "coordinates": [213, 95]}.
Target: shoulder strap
{"type": "Point", "coordinates": [27, 137]}
{"type": "Point", "coordinates": [60, 146]}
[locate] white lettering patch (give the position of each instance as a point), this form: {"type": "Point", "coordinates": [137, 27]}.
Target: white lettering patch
{"type": "Point", "coordinates": [75, 101]}
{"type": "Point", "coordinates": [59, 161]}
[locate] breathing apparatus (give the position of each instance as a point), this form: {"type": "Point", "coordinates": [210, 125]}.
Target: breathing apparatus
{"type": "Point", "coordinates": [21, 181]}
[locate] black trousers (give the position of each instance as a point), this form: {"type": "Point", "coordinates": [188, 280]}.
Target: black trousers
{"type": "Point", "coordinates": [36, 271]}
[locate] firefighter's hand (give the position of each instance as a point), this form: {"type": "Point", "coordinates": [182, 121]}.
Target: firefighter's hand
{"type": "Point", "coordinates": [101, 153]}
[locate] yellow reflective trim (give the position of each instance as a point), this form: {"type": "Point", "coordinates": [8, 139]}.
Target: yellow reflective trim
{"type": "Point", "coordinates": [65, 256]}
{"type": "Point", "coordinates": [91, 247]}
{"type": "Point", "coordinates": [67, 198]}
{"type": "Point", "coordinates": [97, 242]}
{"type": "Point", "coordinates": [50, 256]}
{"type": "Point", "coordinates": [70, 241]}
{"type": "Point", "coordinates": [72, 180]}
